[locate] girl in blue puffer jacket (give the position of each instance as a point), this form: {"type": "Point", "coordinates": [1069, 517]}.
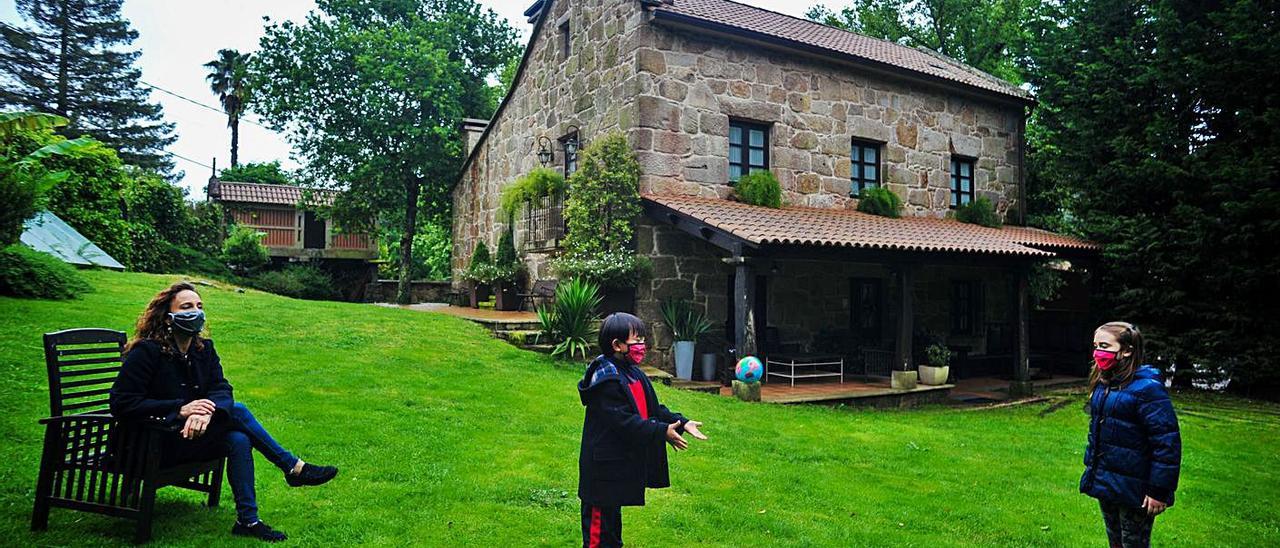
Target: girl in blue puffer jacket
{"type": "Point", "coordinates": [1131, 463]}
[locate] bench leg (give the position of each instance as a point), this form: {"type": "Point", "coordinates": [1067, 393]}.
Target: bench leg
{"type": "Point", "coordinates": [44, 481]}
{"type": "Point", "coordinates": [215, 491]}
{"type": "Point", "coordinates": [146, 512]}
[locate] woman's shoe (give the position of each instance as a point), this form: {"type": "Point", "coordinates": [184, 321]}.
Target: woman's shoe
{"type": "Point", "coordinates": [311, 475]}
{"type": "Point", "coordinates": [259, 530]}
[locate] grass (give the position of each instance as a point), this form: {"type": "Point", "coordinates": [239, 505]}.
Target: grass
{"type": "Point", "coordinates": [447, 437]}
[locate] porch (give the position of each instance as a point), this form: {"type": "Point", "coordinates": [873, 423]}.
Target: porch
{"type": "Point", "coordinates": [870, 292]}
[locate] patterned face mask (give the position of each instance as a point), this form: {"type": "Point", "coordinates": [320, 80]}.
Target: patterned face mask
{"type": "Point", "coordinates": [635, 353]}
{"type": "Point", "coordinates": [1105, 359]}
{"type": "Point", "coordinates": [188, 321]}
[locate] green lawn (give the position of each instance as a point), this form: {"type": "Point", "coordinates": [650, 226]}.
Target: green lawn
{"type": "Point", "coordinates": [447, 437]}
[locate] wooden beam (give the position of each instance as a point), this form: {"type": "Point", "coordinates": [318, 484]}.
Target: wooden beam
{"type": "Point", "coordinates": [696, 227]}
{"type": "Point", "coordinates": [902, 358]}
{"type": "Point", "coordinates": [743, 302]}
{"type": "Point", "coordinates": [1021, 384]}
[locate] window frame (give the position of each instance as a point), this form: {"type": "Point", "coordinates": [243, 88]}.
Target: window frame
{"type": "Point", "coordinates": [567, 47]}
{"type": "Point", "coordinates": [961, 197]}
{"type": "Point", "coordinates": [857, 182]}
{"type": "Point", "coordinates": [968, 306]}
{"type": "Point", "coordinates": [744, 153]}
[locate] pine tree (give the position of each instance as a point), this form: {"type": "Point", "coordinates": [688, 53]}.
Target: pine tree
{"type": "Point", "coordinates": [68, 63]}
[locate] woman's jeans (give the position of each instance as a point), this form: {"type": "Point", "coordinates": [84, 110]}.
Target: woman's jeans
{"type": "Point", "coordinates": [246, 434]}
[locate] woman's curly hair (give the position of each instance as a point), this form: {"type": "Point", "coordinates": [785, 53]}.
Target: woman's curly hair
{"type": "Point", "coordinates": [153, 324]}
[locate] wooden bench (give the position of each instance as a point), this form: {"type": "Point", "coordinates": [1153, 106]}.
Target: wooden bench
{"type": "Point", "coordinates": [93, 462]}
{"type": "Point", "coordinates": [544, 290]}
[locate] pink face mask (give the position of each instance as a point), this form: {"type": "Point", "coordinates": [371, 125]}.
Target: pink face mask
{"type": "Point", "coordinates": [635, 353]}
{"type": "Point", "coordinates": [1105, 359]}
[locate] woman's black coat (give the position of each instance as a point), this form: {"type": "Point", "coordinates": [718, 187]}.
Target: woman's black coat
{"type": "Point", "coordinates": [621, 453]}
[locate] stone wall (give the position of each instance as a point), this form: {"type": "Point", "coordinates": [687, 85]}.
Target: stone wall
{"type": "Point", "coordinates": [590, 89]}
{"type": "Point", "coordinates": [683, 268]}
{"type": "Point", "coordinates": [689, 87]}
{"type": "Point", "coordinates": [420, 291]}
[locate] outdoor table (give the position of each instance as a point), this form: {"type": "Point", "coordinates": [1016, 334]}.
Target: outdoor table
{"type": "Point", "coordinates": [808, 366]}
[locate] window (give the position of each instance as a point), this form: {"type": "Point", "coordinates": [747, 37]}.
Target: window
{"type": "Point", "coordinates": [564, 40]}
{"type": "Point", "coordinates": [748, 149]}
{"type": "Point", "coordinates": [961, 181]}
{"type": "Point", "coordinates": [967, 307]}
{"type": "Point", "coordinates": [569, 144]}
{"type": "Point", "coordinates": [864, 166]}
{"type": "Point", "coordinates": [865, 307]}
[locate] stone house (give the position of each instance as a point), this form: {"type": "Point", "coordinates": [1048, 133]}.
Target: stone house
{"type": "Point", "coordinates": [706, 90]}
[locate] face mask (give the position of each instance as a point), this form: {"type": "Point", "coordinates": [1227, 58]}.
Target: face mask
{"type": "Point", "coordinates": [635, 353]}
{"type": "Point", "coordinates": [189, 322]}
{"type": "Point", "coordinates": [1105, 359]}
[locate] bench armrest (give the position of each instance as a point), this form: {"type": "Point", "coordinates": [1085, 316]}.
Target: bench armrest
{"type": "Point", "coordinates": [99, 417]}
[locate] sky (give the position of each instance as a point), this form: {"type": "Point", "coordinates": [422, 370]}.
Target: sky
{"type": "Point", "coordinates": [177, 37]}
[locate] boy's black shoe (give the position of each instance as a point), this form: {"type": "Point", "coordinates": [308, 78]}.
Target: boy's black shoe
{"type": "Point", "coordinates": [311, 475]}
{"type": "Point", "coordinates": [259, 530]}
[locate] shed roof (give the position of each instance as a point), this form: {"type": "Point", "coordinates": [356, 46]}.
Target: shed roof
{"type": "Point", "coordinates": [48, 233]}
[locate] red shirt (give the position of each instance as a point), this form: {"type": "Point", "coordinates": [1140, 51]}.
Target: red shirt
{"type": "Point", "coordinates": [637, 392]}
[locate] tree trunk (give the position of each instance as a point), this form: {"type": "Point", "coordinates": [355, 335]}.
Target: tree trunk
{"type": "Point", "coordinates": [64, 46]}
{"type": "Point", "coordinates": [413, 187]}
{"type": "Point", "coordinates": [235, 142]}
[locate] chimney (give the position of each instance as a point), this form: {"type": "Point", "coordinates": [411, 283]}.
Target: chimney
{"type": "Point", "coordinates": [472, 129]}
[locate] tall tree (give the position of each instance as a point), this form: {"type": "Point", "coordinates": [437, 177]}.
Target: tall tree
{"type": "Point", "coordinates": [229, 78]}
{"type": "Point", "coordinates": [986, 34]}
{"type": "Point", "coordinates": [68, 64]}
{"type": "Point", "coordinates": [372, 93]}
{"type": "Point", "coordinates": [269, 173]}
{"type": "Point", "coordinates": [1158, 136]}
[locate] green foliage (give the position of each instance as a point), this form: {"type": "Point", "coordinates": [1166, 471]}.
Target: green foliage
{"type": "Point", "coordinates": [26, 141]}
{"type": "Point", "coordinates": [759, 188]}
{"type": "Point", "coordinates": [880, 201]}
{"type": "Point", "coordinates": [538, 183]}
{"type": "Point", "coordinates": [613, 269]}
{"type": "Point", "coordinates": [481, 269]}
{"type": "Point", "coordinates": [243, 250]}
{"type": "Point", "coordinates": [601, 209]}
{"type": "Point", "coordinates": [573, 317]}
{"type": "Point", "coordinates": [372, 94]}
{"type": "Point", "coordinates": [267, 173]}
{"type": "Point", "coordinates": [979, 212]}
{"type": "Point", "coordinates": [432, 253]}
{"type": "Point", "coordinates": [76, 58]}
{"type": "Point", "coordinates": [686, 323]}
{"type": "Point", "coordinates": [992, 36]}
{"type": "Point", "coordinates": [299, 282]}
{"type": "Point", "coordinates": [507, 265]}
{"type": "Point", "coordinates": [229, 78]}
{"type": "Point", "coordinates": [938, 355]}
{"type": "Point", "coordinates": [28, 273]}
{"type": "Point", "coordinates": [1157, 140]}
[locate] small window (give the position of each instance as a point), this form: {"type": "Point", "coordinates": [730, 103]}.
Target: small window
{"type": "Point", "coordinates": [569, 144]}
{"type": "Point", "coordinates": [564, 40]}
{"type": "Point", "coordinates": [864, 166]}
{"type": "Point", "coordinates": [748, 149]}
{"type": "Point", "coordinates": [967, 307]}
{"type": "Point", "coordinates": [961, 181]}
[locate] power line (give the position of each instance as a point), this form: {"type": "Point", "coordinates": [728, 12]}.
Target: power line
{"type": "Point", "coordinates": [198, 103]}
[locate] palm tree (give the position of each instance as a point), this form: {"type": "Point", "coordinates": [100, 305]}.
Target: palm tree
{"type": "Point", "coordinates": [229, 77]}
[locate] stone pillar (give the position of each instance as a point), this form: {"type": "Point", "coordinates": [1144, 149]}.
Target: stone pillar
{"type": "Point", "coordinates": [1021, 386]}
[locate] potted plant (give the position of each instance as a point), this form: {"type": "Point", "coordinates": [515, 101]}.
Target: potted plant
{"type": "Point", "coordinates": [480, 273]}
{"type": "Point", "coordinates": [904, 378]}
{"type": "Point", "coordinates": [686, 326]}
{"type": "Point", "coordinates": [939, 368]}
{"type": "Point", "coordinates": [506, 272]}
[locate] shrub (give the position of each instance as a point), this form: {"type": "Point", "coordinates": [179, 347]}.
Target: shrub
{"type": "Point", "coordinates": [18, 194]}
{"type": "Point", "coordinates": [938, 355]}
{"type": "Point", "coordinates": [979, 212]}
{"type": "Point", "coordinates": [507, 266]}
{"type": "Point", "coordinates": [604, 198]}
{"type": "Point", "coordinates": [299, 282]}
{"type": "Point", "coordinates": [540, 182]}
{"type": "Point", "coordinates": [880, 201]}
{"type": "Point", "coordinates": [243, 250]}
{"type": "Point", "coordinates": [432, 253]}
{"type": "Point", "coordinates": [572, 318]}
{"type": "Point", "coordinates": [481, 268]}
{"type": "Point", "coordinates": [25, 272]}
{"type": "Point", "coordinates": [759, 188]}
{"type": "Point", "coordinates": [615, 269]}
{"type": "Point", "coordinates": [686, 323]}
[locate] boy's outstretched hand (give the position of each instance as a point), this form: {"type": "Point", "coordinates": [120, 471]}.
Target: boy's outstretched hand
{"type": "Point", "coordinates": [674, 437]}
{"type": "Point", "coordinates": [692, 428]}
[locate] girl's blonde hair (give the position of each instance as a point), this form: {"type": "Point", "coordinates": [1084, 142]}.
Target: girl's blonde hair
{"type": "Point", "coordinates": [1130, 340]}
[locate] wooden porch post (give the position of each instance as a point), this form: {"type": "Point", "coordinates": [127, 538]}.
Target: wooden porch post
{"type": "Point", "coordinates": [1021, 386]}
{"type": "Point", "coordinates": [902, 350]}
{"type": "Point", "coordinates": [743, 301]}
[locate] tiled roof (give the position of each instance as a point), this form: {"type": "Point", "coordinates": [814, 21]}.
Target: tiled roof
{"type": "Point", "coordinates": [741, 17]}
{"type": "Point", "coordinates": [1036, 237]}
{"type": "Point", "coordinates": [849, 228]}
{"type": "Point", "coordinates": [259, 193]}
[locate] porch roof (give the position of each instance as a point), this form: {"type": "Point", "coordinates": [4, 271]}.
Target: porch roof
{"type": "Point", "coordinates": [756, 226]}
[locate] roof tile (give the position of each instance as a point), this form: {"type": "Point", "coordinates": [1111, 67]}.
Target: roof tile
{"type": "Point", "coordinates": [259, 193]}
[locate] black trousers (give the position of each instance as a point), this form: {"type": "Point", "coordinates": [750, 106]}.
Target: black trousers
{"type": "Point", "coordinates": [601, 526]}
{"type": "Point", "coordinates": [1127, 527]}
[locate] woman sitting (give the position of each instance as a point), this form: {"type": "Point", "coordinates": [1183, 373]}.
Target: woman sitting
{"type": "Point", "coordinates": [172, 375]}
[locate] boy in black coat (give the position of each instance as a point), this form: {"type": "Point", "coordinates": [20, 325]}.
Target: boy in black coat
{"type": "Point", "coordinates": [623, 432]}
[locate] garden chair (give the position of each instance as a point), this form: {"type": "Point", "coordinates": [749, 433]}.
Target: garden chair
{"type": "Point", "coordinates": [542, 290]}
{"type": "Point", "coordinates": [93, 462]}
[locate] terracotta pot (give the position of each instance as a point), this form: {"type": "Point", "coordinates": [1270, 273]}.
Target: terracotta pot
{"type": "Point", "coordinates": [506, 296]}
{"type": "Point", "coordinates": [479, 294]}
